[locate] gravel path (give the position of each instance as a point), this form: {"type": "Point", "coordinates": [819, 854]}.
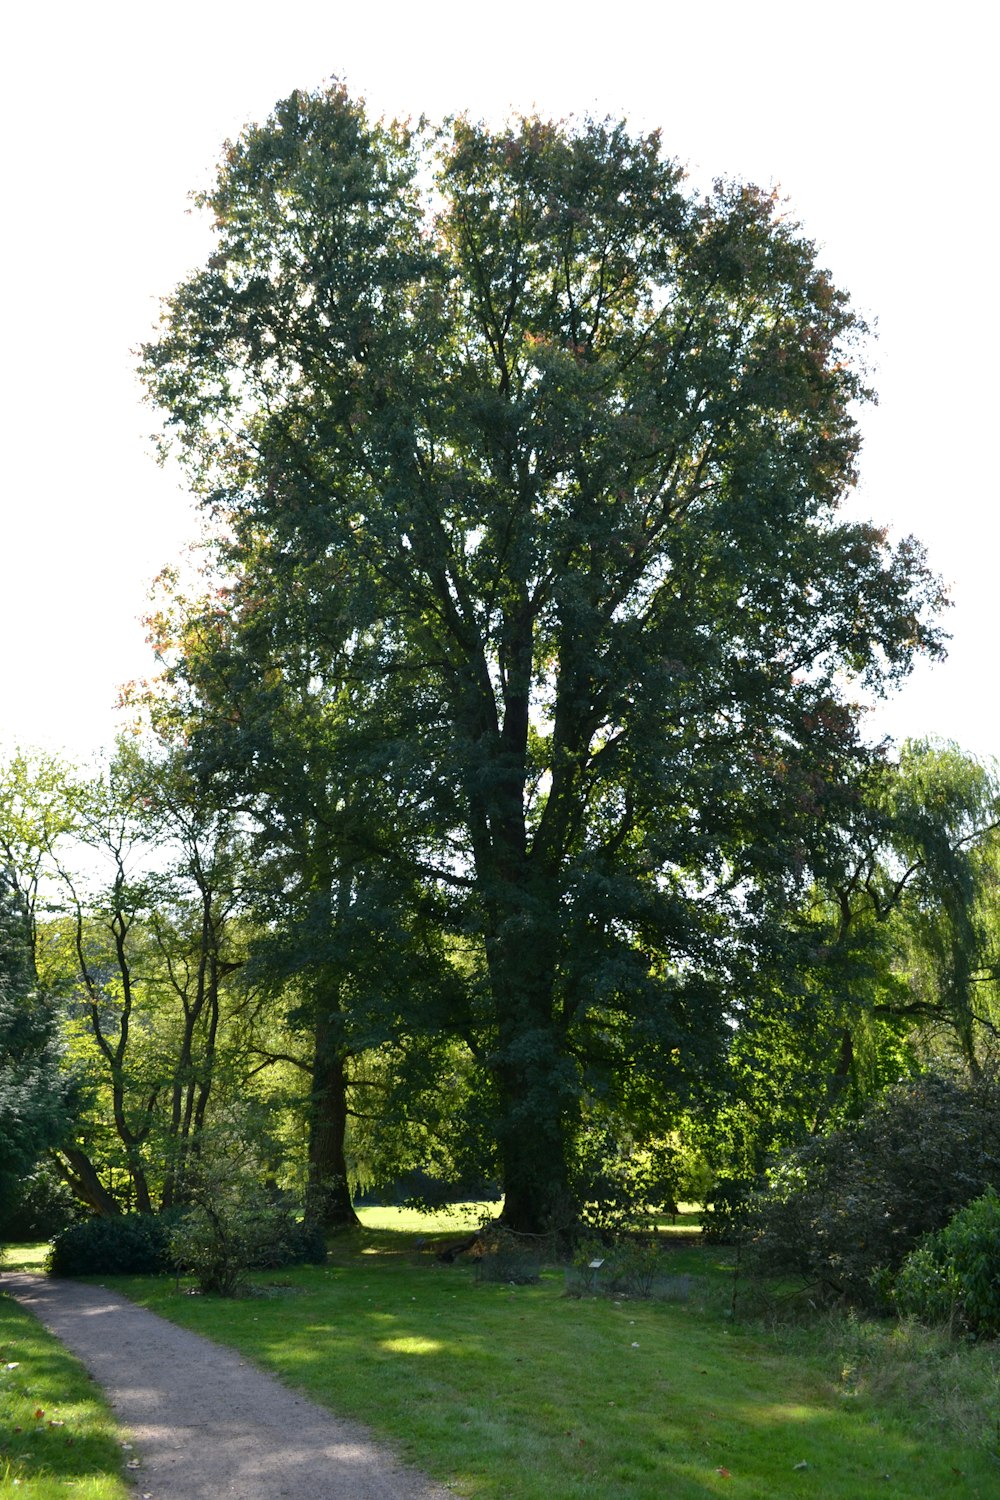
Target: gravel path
{"type": "Point", "coordinates": [204, 1422]}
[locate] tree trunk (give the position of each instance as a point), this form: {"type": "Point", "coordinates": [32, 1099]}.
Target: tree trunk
{"type": "Point", "coordinates": [536, 1082]}
{"type": "Point", "coordinates": [79, 1173]}
{"type": "Point", "coordinates": [537, 1196]}
{"type": "Point", "coordinates": [328, 1194]}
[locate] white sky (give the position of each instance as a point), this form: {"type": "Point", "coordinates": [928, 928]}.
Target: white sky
{"type": "Point", "coordinates": [877, 120]}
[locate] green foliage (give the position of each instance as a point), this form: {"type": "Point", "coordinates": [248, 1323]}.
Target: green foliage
{"type": "Point", "coordinates": [842, 1206]}
{"type": "Point", "coordinates": [953, 1275]}
{"type": "Point", "coordinates": [37, 1207]}
{"type": "Point", "coordinates": [938, 894]}
{"type": "Point", "coordinates": [243, 1231]}
{"type": "Point", "coordinates": [233, 1222]}
{"type": "Point", "coordinates": [35, 1094]}
{"type": "Point", "coordinates": [890, 965]}
{"type": "Point", "coordinates": [221, 1238]}
{"type": "Point", "coordinates": [627, 1266]}
{"type": "Point", "coordinates": [620, 1183]}
{"type": "Point", "coordinates": [116, 1245]}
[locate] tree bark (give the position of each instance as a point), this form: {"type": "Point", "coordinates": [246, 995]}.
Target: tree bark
{"type": "Point", "coordinates": [534, 1075]}
{"type": "Point", "coordinates": [79, 1173]}
{"type": "Point", "coordinates": [328, 1193]}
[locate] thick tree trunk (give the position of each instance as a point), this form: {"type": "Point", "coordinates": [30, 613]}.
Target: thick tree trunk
{"type": "Point", "coordinates": [328, 1194]}
{"type": "Point", "coordinates": [537, 1196]}
{"type": "Point", "coordinates": [537, 1087]}
{"type": "Point", "coordinates": [79, 1173]}
{"type": "Point", "coordinates": [534, 1073]}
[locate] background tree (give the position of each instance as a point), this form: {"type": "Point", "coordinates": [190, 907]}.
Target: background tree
{"type": "Point", "coordinates": [889, 968]}
{"type": "Point", "coordinates": [937, 889]}
{"type": "Point", "coordinates": [36, 1094]}
{"type": "Point", "coordinates": [138, 939]}
{"type": "Point", "coordinates": [347, 935]}
{"type": "Point", "coordinates": [560, 450]}
{"type": "Point", "coordinates": [38, 820]}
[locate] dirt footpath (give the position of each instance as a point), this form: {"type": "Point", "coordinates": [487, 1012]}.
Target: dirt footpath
{"type": "Point", "coordinates": [204, 1423]}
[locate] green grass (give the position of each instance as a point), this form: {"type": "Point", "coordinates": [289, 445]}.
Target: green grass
{"type": "Point", "coordinates": [455, 1220]}
{"type": "Point", "coordinates": [57, 1437]}
{"type": "Point", "coordinates": [524, 1393]}
{"type": "Point", "coordinates": [24, 1258]}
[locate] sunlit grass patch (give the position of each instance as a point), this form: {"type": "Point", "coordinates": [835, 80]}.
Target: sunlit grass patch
{"type": "Point", "coordinates": [412, 1345]}
{"type": "Point", "coordinates": [24, 1257]}
{"type": "Point", "coordinates": [57, 1437]}
{"type": "Point", "coordinates": [455, 1219]}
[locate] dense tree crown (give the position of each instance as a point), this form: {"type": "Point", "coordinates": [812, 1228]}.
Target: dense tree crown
{"type": "Point", "coordinates": [534, 600]}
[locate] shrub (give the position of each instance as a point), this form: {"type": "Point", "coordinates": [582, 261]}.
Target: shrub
{"type": "Point", "coordinates": [634, 1268]}
{"type": "Point", "coordinates": [227, 1234]}
{"type": "Point", "coordinates": [235, 1220]}
{"type": "Point", "coordinates": [627, 1267]}
{"type": "Point", "coordinates": [953, 1275]}
{"type": "Point", "coordinates": [119, 1245]}
{"type": "Point", "coordinates": [843, 1205]}
{"type": "Point", "coordinates": [507, 1257]}
{"type": "Point", "coordinates": [288, 1241]}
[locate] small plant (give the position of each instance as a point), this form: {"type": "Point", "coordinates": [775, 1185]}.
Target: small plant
{"type": "Point", "coordinates": [953, 1276]}
{"type": "Point", "coordinates": [636, 1266]}
{"type": "Point", "coordinates": [628, 1267]}
{"type": "Point", "coordinates": [233, 1223]}
{"type": "Point", "coordinates": [507, 1257]}
{"type": "Point", "coordinates": [233, 1229]}
{"type": "Point", "coordinates": [216, 1243]}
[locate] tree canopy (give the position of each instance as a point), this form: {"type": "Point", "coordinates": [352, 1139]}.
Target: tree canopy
{"type": "Point", "coordinates": [526, 465]}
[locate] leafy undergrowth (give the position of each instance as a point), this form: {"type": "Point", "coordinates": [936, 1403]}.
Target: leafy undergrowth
{"type": "Point", "coordinates": [57, 1437]}
{"type": "Point", "coordinates": [525, 1393]}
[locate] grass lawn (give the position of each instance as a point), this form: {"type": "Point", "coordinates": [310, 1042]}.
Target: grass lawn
{"type": "Point", "coordinates": [57, 1437]}
{"type": "Point", "coordinates": [525, 1393]}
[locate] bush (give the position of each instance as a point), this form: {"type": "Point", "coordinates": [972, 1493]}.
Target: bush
{"type": "Point", "coordinates": [627, 1267]}
{"type": "Point", "coordinates": [846, 1204]}
{"type": "Point", "coordinates": [119, 1245]}
{"type": "Point", "coordinates": [508, 1257]}
{"type": "Point", "coordinates": [227, 1234]}
{"type": "Point", "coordinates": [287, 1241]}
{"type": "Point", "coordinates": [953, 1275]}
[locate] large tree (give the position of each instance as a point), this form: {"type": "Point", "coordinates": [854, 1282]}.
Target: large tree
{"type": "Point", "coordinates": [549, 453]}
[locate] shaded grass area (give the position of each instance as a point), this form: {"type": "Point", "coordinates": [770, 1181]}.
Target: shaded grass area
{"type": "Point", "coordinates": [525, 1393]}
{"type": "Point", "coordinates": [57, 1437]}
